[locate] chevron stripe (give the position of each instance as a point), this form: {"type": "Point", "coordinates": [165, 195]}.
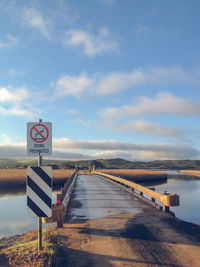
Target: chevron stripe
{"type": "Point", "coordinates": [39, 191]}
{"type": "Point", "coordinates": [39, 181]}
{"type": "Point", "coordinates": [37, 200]}
{"type": "Point", "coordinates": [35, 208]}
{"type": "Point", "coordinates": [42, 174]}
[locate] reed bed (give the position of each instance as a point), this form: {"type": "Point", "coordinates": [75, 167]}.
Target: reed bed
{"type": "Point", "coordinates": [17, 177]}
{"type": "Point", "coordinates": [136, 175]}
{"type": "Point", "coordinates": [195, 173]}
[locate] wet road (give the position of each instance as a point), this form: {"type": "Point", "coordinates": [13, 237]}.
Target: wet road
{"type": "Point", "coordinates": [94, 197]}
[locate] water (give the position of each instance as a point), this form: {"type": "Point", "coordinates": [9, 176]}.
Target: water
{"type": "Point", "coordinates": [188, 189]}
{"type": "Point", "coordinates": [14, 219]}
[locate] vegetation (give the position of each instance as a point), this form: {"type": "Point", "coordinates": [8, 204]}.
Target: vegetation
{"type": "Point", "coordinates": [195, 173]}
{"type": "Point", "coordinates": [105, 164]}
{"type": "Point", "coordinates": [23, 250]}
{"type": "Point", "coordinates": [15, 178]}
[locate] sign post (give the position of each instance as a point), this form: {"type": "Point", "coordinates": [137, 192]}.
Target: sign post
{"type": "Point", "coordinates": [39, 218]}
{"type": "Point", "coordinates": [39, 182]}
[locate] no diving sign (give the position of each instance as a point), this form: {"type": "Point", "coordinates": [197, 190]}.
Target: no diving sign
{"type": "Point", "coordinates": [39, 138]}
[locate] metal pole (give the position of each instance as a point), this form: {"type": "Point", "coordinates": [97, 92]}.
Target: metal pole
{"type": "Point", "coordinates": [39, 218]}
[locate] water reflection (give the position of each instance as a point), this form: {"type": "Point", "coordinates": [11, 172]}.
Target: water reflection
{"type": "Point", "coordinates": [12, 191]}
{"type": "Point", "coordinates": [153, 183]}
{"type": "Point", "coordinates": [14, 218]}
{"type": "Point", "coordinates": [189, 190]}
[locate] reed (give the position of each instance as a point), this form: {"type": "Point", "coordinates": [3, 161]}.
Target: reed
{"type": "Point", "coordinates": [17, 177]}
{"type": "Point", "coordinates": [195, 173]}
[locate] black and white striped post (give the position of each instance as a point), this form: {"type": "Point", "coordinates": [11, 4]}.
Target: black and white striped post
{"type": "Point", "coordinates": [39, 181]}
{"type": "Point", "coordinates": [39, 195]}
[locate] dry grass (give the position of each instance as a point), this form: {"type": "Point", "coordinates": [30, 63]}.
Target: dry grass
{"type": "Point", "coordinates": [17, 178]}
{"type": "Point", "coordinates": [62, 173]}
{"type": "Point", "coordinates": [192, 172]}
{"type": "Point", "coordinates": [136, 175]}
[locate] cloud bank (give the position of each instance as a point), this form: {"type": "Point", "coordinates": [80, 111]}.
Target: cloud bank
{"type": "Point", "coordinates": [78, 149]}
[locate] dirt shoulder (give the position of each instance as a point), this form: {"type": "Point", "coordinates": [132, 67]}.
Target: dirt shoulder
{"type": "Point", "coordinates": [151, 238]}
{"type": "Point", "coordinates": [21, 250]}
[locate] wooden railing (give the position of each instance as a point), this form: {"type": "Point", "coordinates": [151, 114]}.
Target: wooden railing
{"type": "Point", "coordinates": [167, 199]}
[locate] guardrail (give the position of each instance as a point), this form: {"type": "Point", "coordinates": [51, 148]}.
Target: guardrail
{"type": "Point", "coordinates": [59, 209]}
{"type": "Point", "coordinates": [167, 199]}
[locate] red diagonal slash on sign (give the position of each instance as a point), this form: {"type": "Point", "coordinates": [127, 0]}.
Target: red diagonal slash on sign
{"type": "Point", "coordinates": [40, 133]}
{"type": "Point", "coordinates": [43, 138]}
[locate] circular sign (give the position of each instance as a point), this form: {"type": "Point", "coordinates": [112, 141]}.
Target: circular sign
{"type": "Point", "coordinates": [39, 133]}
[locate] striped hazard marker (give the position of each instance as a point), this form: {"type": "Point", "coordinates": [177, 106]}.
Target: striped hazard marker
{"type": "Point", "coordinates": [39, 191]}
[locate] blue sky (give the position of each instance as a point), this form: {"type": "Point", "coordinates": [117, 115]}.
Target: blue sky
{"type": "Point", "coordinates": [116, 78]}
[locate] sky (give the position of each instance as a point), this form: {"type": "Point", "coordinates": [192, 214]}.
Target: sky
{"type": "Point", "coordinates": [117, 78]}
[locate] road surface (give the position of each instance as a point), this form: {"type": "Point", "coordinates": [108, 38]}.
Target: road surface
{"type": "Point", "coordinates": [95, 197]}
{"type": "Point", "coordinates": [106, 226]}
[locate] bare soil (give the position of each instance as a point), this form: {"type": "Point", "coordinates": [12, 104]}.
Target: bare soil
{"type": "Point", "coordinates": [152, 238]}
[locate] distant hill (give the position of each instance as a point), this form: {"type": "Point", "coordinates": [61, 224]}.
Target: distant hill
{"type": "Point", "coordinates": [105, 164]}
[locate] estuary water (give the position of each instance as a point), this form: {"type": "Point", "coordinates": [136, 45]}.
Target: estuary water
{"type": "Point", "coordinates": [188, 188]}
{"type": "Point", "coordinates": [13, 214]}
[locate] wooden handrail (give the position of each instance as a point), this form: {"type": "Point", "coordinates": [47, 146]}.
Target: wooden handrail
{"type": "Point", "coordinates": [168, 199]}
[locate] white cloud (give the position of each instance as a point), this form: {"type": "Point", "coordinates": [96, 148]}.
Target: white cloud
{"type": "Point", "coordinates": [12, 102]}
{"type": "Point", "coordinates": [72, 85]}
{"type": "Point", "coordinates": [142, 155]}
{"type": "Point", "coordinates": [16, 111]}
{"type": "Point", "coordinates": [47, 19]}
{"type": "Point", "coordinates": [34, 19]}
{"type": "Point", "coordinates": [91, 44]}
{"type": "Point", "coordinates": [119, 81]}
{"type": "Point", "coordinates": [103, 85]}
{"type": "Point", "coordinates": [171, 153]}
{"type": "Point", "coordinates": [138, 127]}
{"type": "Point", "coordinates": [10, 42]}
{"type": "Point", "coordinates": [70, 155]}
{"type": "Point", "coordinates": [11, 95]}
{"type": "Point", "coordinates": [163, 103]}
